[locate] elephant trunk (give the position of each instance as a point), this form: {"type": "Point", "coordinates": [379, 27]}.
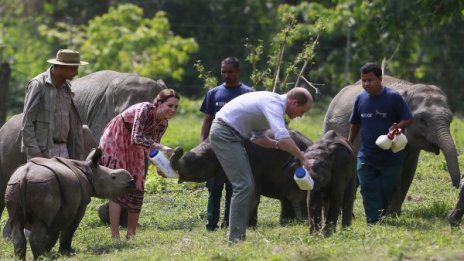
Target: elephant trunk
{"type": "Point", "coordinates": [448, 147]}
{"type": "Point", "coordinates": [174, 161]}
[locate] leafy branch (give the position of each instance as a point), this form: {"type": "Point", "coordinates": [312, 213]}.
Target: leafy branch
{"type": "Point", "coordinates": [209, 80]}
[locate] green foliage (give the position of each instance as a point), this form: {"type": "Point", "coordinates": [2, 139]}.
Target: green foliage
{"type": "Point", "coordinates": [123, 40]}
{"type": "Point", "coordinates": [293, 42]}
{"type": "Point", "coordinates": [419, 39]}
{"type": "Point", "coordinates": [208, 79]}
{"type": "Point", "coordinates": [221, 28]}
{"type": "Point", "coordinates": [23, 47]}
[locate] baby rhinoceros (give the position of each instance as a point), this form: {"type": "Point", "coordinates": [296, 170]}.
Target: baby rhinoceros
{"type": "Point", "coordinates": [50, 196]}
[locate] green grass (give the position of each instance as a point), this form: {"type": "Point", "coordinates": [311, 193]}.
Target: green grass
{"type": "Point", "coordinates": [173, 218]}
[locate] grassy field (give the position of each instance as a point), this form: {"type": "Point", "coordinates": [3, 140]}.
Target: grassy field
{"type": "Point", "coordinates": [173, 218]}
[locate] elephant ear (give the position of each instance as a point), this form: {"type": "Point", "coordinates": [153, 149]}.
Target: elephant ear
{"type": "Point", "coordinates": [406, 95]}
{"type": "Point", "coordinates": [95, 155]}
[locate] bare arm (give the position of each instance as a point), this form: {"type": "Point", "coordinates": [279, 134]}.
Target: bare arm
{"type": "Point", "coordinates": [207, 121]}
{"type": "Point", "coordinates": [403, 124]}
{"type": "Point", "coordinates": [290, 146]}
{"type": "Point", "coordinates": [163, 148]}
{"type": "Point", "coordinates": [354, 130]}
{"type": "Point", "coordinates": [286, 144]}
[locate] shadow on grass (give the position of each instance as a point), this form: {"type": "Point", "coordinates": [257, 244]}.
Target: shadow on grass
{"type": "Point", "coordinates": [421, 216]}
{"type": "Point", "coordinates": [180, 224]}
{"type": "Point", "coordinates": [110, 247]}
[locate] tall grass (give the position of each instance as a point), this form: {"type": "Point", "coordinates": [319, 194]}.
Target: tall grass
{"type": "Point", "coordinates": [172, 223]}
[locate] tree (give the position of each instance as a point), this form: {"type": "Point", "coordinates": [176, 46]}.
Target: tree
{"type": "Point", "coordinates": [123, 40]}
{"type": "Point", "coordinates": [419, 38]}
{"type": "Point", "coordinates": [23, 52]}
{"type": "Point", "coordinates": [221, 28]}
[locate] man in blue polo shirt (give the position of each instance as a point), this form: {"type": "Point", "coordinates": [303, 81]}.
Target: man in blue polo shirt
{"type": "Point", "coordinates": [377, 110]}
{"type": "Point", "coordinates": [212, 103]}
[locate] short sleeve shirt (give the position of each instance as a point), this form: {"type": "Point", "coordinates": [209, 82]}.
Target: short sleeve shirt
{"type": "Point", "coordinates": [376, 114]}
{"type": "Point", "coordinates": [218, 96]}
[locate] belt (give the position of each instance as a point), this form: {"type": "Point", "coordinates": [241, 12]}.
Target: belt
{"type": "Point", "coordinates": [59, 142]}
{"type": "Point", "coordinates": [223, 123]}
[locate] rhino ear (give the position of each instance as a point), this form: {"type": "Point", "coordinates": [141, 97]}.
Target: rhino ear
{"type": "Point", "coordinates": [95, 155]}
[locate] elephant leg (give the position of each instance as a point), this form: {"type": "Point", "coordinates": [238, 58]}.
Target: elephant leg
{"type": "Point", "coordinates": [455, 215]}
{"type": "Point", "coordinates": [103, 214]}
{"type": "Point", "coordinates": [348, 203]}
{"type": "Point", "coordinates": [287, 213]}
{"type": "Point", "coordinates": [299, 210]}
{"type": "Point", "coordinates": [253, 217]}
{"type": "Point", "coordinates": [19, 240]}
{"type": "Point", "coordinates": [53, 237]}
{"type": "Point", "coordinates": [407, 175]}
{"type": "Point", "coordinates": [39, 238]}
{"type": "Point", "coordinates": [7, 229]}
{"type": "Point", "coordinates": [315, 211]}
{"type": "Point", "coordinates": [332, 211]}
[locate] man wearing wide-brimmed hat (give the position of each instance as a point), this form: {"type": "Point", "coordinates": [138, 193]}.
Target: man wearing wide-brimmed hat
{"type": "Point", "coordinates": [51, 126]}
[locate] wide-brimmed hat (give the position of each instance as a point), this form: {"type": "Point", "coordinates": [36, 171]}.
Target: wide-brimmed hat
{"type": "Point", "coordinates": [67, 57]}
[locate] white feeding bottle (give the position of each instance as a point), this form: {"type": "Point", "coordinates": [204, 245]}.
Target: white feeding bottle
{"type": "Point", "coordinates": [162, 164]}
{"type": "Point", "coordinates": [385, 141]}
{"type": "Point", "coordinates": [303, 179]}
{"type": "Point", "coordinates": [399, 142]}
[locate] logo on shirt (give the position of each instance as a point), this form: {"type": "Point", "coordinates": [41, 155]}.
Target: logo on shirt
{"type": "Point", "coordinates": [366, 115]}
{"type": "Point", "coordinates": [381, 114]}
{"type": "Point", "coordinates": [220, 104]}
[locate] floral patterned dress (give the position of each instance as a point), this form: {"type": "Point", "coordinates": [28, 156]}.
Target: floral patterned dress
{"type": "Point", "coordinates": [126, 142]}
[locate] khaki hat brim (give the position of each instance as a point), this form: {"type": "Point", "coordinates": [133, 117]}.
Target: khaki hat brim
{"type": "Point", "coordinates": [54, 61]}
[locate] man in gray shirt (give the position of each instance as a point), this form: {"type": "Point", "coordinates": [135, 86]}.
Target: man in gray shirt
{"type": "Point", "coordinates": [51, 125]}
{"type": "Point", "coordinates": [247, 117]}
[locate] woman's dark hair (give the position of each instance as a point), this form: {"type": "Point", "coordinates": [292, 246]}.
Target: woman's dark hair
{"type": "Point", "coordinates": [164, 95]}
{"type": "Point", "coordinates": [371, 67]}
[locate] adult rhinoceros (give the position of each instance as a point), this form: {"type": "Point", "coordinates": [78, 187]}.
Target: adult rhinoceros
{"type": "Point", "coordinates": [429, 130]}
{"type": "Point", "coordinates": [102, 95]}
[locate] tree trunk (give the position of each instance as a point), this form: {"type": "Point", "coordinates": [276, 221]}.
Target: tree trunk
{"type": "Point", "coordinates": [5, 73]}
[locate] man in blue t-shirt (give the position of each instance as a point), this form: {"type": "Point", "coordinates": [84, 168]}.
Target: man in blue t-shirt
{"type": "Point", "coordinates": [212, 103]}
{"type": "Point", "coordinates": [377, 110]}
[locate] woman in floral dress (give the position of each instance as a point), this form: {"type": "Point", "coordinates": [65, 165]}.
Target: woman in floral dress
{"type": "Point", "coordinates": [126, 143]}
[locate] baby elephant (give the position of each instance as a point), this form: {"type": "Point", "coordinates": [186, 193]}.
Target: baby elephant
{"type": "Point", "coordinates": [50, 196]}
{"type": "Point", "coordinates": [334, 174]}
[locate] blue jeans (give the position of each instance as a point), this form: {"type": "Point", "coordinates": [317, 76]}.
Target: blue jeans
{"type": "Point", "coordinates": [378, 184]}
{"type": "Point", "coordinates": [215, 186]}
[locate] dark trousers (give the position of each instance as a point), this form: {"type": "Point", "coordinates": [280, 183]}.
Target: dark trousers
{"type": "Point", "coordinates": [378, 184]}
{"type": "Point", "coordinates": [215, 186]}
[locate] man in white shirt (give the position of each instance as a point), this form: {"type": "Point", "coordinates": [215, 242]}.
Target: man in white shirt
{"type": "Point", "coordinates": [247, 117]}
